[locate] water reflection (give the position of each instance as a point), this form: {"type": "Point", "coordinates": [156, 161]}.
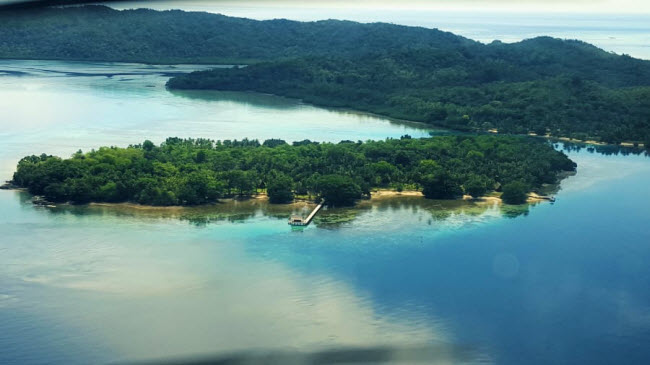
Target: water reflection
{"type": "Point", "coordinates": [389, 355]}
{"type": "Point", "coordinates": [246, 98]}
{"type": "Point", "coordinates": [407, 210]}
{"type": "Point", "coordinates": [92, 284]}
{"type": "Point", "coordinates": [606, 150]}
{"type": "Point", "coordinates": [228, 210]}
{"type": "Point", "coordinates": [282, 103]}
{"type": "Point", "coordinates": [144, 287]}
{"type": "Point", "coordinates": [38, 68]}
{"type": "Point", "coordinates": [567, 282]}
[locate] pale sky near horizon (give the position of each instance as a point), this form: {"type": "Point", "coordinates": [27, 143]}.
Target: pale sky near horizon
{"type": "Point", "coordinates": [579, 6]}
{"type": "Point", "coordinates": [563, 6]}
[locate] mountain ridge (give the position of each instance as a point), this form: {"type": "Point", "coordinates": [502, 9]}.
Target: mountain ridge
{"type": "Point", "coordinates": [544, 85]}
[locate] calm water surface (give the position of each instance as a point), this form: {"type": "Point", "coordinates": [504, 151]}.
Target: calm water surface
{"type": "Point", "coordinates": [59, 107]}
{"type": "Point", "coordinates": [551, 283]}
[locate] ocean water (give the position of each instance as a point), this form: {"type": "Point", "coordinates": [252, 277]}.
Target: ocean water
{"type": "Point", "coordinates": [471, 282]}
{"type": "Point", "coordinates": [552, 283]}
{"type": "Point", "coordinates": [59, 107]}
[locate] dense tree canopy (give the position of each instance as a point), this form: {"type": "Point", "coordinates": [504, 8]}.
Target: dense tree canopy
{"type": "Point", "coordinates": [515, 192]}
{"type": "Point", "coordinates": [200, 171]}
{"type": "Point", "coordinates": [456, 92]}
{"type": "Point", "coordinates": [338, 189]}
{"type": "Point", "coordinates": [280, 189]}
{"type": "Point", "coordinates": [99, 33]}
{"type": "Point", "coordinates": [543, 85]}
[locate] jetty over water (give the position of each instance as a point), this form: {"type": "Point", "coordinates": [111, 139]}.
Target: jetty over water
{"type": "Point", "coordinates": [297, 220]}
{"type": "Point", "coordinates": [542, 197]}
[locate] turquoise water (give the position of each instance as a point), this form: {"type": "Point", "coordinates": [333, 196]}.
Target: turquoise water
{"type": "Point", "coordinates": [60, 107]}
{"type": "Point", "coordinates": [550, 283]}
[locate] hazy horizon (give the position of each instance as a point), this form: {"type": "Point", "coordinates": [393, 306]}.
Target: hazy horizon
{"type": "Point", "coordinates": [619, 33]}
{"type": "Point", "coordinates": [529, 6]}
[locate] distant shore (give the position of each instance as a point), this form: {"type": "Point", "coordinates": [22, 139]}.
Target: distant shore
{"type": "Point", "coordinates": [589, 141]}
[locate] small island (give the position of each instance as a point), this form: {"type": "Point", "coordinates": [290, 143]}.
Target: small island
{"type": "Point", "coordinates": [183, 172]}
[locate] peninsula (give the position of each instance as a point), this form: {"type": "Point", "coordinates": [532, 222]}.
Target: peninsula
{"type": "Point", "coordinates": [546, 86]}
{"type": "Point", "coordinates": [202, 171]}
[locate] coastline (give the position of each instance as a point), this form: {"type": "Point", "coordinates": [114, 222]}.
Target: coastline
{"type": "Point", "coordinates": [439, 129]}
{"type": "Point", "coordinates": [358, 111]}
{"type": "Point", "coordinates": [589, 141]}
{"type": "Point", "coordinates": [493, 197]}
{"type": "Point", "coordinates": [298, 203]}
{"type": "Point", "coordinates": [419, 124]}
{"type": "Point", "coordinates": [219, 62]}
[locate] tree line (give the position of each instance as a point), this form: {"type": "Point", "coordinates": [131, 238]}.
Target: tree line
{"type": "Point", "coordinates": [542, 85]}
{"type": "Point", "coordinates": [453, 92]}
{"type": "Point", "coordinates": [202, 171]}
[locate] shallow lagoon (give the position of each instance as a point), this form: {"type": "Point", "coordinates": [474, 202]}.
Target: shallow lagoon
{"type": "Point", "coordinates": [552, 283]}
{"type": "Point", "coordinates": [59, 107]}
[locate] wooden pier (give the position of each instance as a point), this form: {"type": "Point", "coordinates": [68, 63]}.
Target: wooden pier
{"type": "Point", "coordinates": [542, 197]}
{"type": "Point", "coordinates": [297, 220]}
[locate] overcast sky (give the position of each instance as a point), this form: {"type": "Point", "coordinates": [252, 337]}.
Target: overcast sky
{"type": "Point", "coordinates": [581, 6]}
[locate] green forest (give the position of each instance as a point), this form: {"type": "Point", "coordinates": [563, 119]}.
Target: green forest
{"type": "Point", "coordinates": [202, 171]}
{"type": "Point", "coordinates": [547, 86]}
{"type": "Point", "coordinates": [99, 33]}
{"type": "Point", "coordinates": [453, 92]}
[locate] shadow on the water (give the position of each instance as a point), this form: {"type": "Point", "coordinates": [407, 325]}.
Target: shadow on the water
{"type": "Point", "coordinates": [514, 211]}
{"type": "Point", "coordinates": [12, 73]}
{"type": "Point", "coordinates": [433, 210]}
{"type": "Point", "coordinates": [247, 98]}
{"type": "Point", "coordinates": [426, 354]}
{"type": "Point", "coordinates": [275, 102]}
{"type": "Point", "coordinates": [231, 210]}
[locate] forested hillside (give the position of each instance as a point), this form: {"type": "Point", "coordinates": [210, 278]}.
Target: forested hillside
{"type": "Point", "coordinates": [458, 93]}
{"type": "Point", "coordinates": [543, 85]}
{"type": "Point", "coordinates": [189, 172]}
{"type": "Point", "coordinates": [105, 34]}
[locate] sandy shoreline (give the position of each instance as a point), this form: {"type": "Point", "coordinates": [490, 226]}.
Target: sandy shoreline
{"type": "Point", "coordinates": [574, 140]}
{"type": "Point", "coordinates": [385, 193]}
{"type": "Point", "coordinates": [589, 141]}
{"type": "Point", "coordinates": [298, 203]}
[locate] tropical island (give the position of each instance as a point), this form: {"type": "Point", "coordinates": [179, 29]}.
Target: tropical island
{"type": "Point", "coordinates": [202, 171]}
{"type": "Point", "coordinates": [543, 86]}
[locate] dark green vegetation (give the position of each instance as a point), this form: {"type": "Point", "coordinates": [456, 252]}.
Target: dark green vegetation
{"type": "Point", "coordinates": [98, 33]}
{"type": "Point", "coordinates": [542, 85]}
{"type": "Point", "coordinates": [533, 86]}
{"type": "Point", "coordinates": [191, 172]}
{"type": "Point", "coordinates": [515, 192]}
{"type": "Point", "coordinates": [340, 189]}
